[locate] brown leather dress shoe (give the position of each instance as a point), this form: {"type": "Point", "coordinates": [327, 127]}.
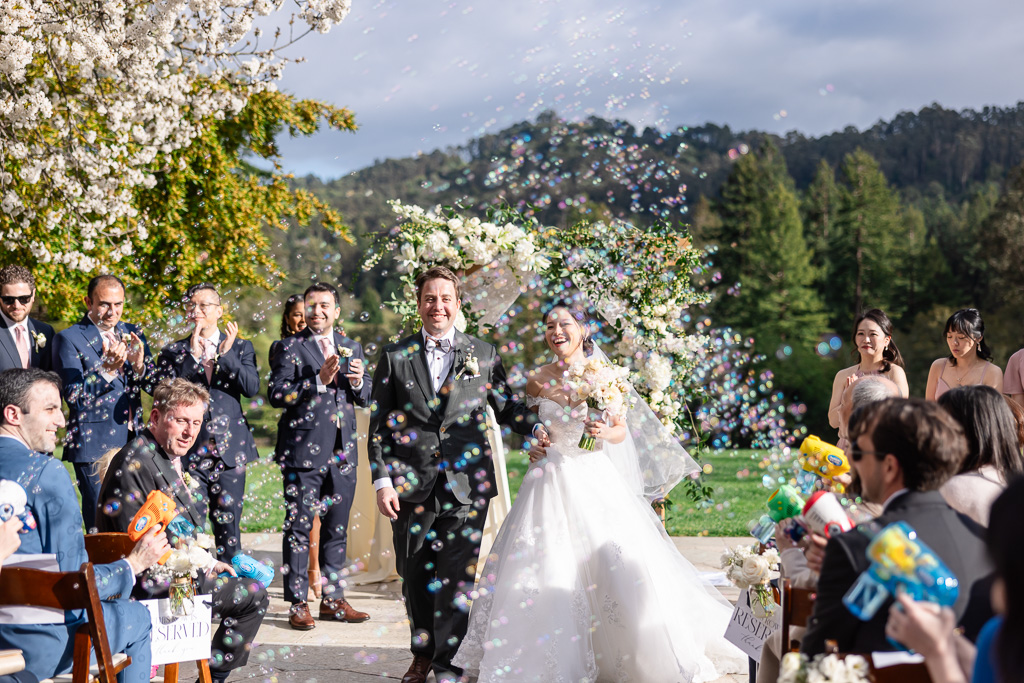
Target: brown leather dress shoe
{"type": "Point", "coordinates": [300, 619]}
{"type": "Point", "coordinates": [418, 670]}
{"type": "Point", "coordinates": [340, 610]}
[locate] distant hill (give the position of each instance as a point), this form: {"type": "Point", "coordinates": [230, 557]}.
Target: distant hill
{"type": "Point", "coordinates": [565, 169]}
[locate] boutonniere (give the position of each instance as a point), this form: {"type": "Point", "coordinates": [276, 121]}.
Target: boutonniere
{"type": "Point", "coordinates": [471, 366]}
{"type": "Point", "coordinates": [190, 483]}
{"type": "Point", "coordinates": [40, 340]}
{"type": "Point", "coordinates": [344, 352]}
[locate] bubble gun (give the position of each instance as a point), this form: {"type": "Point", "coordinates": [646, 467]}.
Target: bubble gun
{"type": "Point", "coordinates": [159, 509]}
{"type": "Point", "coordinates": [900, 561]}
{"type": "Point", "coordinates": [784, 503]}
{"type": "Point", "coordinates": [14, 503]}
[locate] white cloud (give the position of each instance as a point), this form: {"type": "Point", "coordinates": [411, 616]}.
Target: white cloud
{"type": "Point", "coordinates": [431, 73]}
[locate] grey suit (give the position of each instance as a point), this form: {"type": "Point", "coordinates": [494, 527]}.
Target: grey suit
{"type": "Point", "coordinates": [957, 539]}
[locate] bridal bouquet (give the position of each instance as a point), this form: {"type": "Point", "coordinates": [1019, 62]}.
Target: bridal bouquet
{"type": "Point", "coordinates": [603, 386]}
{"type": "Point", "coordinates": [753, 572]}
{"type": "Point", "coordinates": [797, 668]}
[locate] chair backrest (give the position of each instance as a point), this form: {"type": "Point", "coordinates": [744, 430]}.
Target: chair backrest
{"type": "Point", "coordinates": [108, 547]}
{"type": "Point", "coordinates": [901, 673]}
{"type": "Point", "coordinates": [797, 607]}
{"type": "Point", "coordinates": [65, 591]}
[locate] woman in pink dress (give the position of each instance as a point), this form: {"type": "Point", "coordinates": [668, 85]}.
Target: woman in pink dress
{"type": "Point", "coordinates": [969, 357]}
{"type": "Point", "coordinates": [872, 335]}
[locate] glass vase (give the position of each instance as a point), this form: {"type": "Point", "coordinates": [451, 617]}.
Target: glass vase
{"type": "Point", "coordinates": [182, 596]}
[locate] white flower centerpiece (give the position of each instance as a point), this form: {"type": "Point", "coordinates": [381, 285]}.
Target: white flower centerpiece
{"type": "Point", "coordinates": [752, 571]}
{"type": "Point", "coordinates": [184, 564]}
{"type": "Point", "coordinates": [797, 668]}
{"type": "Point", "coordinates": [603, 386]}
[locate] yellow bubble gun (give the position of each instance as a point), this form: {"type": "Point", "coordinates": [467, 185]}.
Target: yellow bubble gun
{"type": "Point", "coordinates": [821, 459]}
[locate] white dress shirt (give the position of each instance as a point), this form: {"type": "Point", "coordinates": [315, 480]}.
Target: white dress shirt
{"type": "Point", "coordinates": [210, 346]}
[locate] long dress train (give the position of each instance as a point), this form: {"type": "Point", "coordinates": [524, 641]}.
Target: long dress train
{"type": "Point", "coordinates": [583, 583]}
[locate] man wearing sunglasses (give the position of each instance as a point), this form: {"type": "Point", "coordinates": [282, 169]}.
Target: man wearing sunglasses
{"type": "Point", "coordinates": [24, 342]}
{"type": "Point", "coordinates": [903, 451]}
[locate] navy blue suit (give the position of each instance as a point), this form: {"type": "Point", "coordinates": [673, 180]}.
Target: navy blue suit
{"type": "Point", "coordinates": [225, 444]}
{"type": "Point", "coordinates": [48, 648]}
{"type": "Point", "coordinates": [100, 411]}
{"type": "Point", "coordinates": [39, 355]}
{"type": "Point", "coordinates": [317, 452]}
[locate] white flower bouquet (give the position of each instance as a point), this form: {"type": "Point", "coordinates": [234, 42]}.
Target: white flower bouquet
{"type": "Point", "coordinates": [797, 668]}
{"type": "Point", "coordinates": [603, 386]}
{"type": "Point", "coordinates": [184, 564]}
{"type": "Point", "coordinates": [753, 572]}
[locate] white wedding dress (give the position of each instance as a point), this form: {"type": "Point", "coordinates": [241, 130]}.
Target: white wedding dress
{"type": "Point", "coordinates": [583, 583]}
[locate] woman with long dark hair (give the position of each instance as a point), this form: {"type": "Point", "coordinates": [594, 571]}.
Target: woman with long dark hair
{"type": "Point", "coordinates": [878, 354]}
{"type": "Point", "coordinates": [969, 360]}
{"type": "Point", "coordinates": [993, 450]}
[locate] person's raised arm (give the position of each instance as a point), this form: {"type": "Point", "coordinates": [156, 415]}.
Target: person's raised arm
{"type": "Point", "coordinates": [836, 402]}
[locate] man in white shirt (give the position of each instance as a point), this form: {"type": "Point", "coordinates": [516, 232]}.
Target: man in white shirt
{"type": "Point", "coordinates": [317, 378]}
{"type": "Point", "coordinates": [24, 341]}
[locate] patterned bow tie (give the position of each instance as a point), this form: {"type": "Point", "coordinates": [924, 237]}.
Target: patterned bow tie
{"type": "Point", "coordinates": [443, 344]}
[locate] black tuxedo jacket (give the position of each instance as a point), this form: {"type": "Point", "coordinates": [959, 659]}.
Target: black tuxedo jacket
{"type": "Point", "coordinates": [954, 537]}
{"type": "Point", "coordinates": [415, 433]}
{"type": "Point", "coordinates": [309, 433]}
{"type": "Point", "coordinates": [140, 467]}
{"type": "Point", "coordinates": [40, 356]}
{"type": "Point", "coordinates": [225, 429]}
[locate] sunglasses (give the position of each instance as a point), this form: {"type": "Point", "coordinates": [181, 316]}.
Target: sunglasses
{"type": "Point", "coordinates": [856, 453]}
{"type": "Point", "coordinates": [24, 300]}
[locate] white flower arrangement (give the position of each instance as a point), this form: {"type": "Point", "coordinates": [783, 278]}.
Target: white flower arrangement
{"type": "Point", "coordinates": [40, 340]}
{"type": "Point", "coordinates": [344, 352]}
{"type": "Point", "coordinates": [429, 238]}
{"type": "Point", "coordinates": [187, 560]}
{"type": "Point", "coordinates": [748, 570]}
{"type": "Point", "coordinates": [797, 668]}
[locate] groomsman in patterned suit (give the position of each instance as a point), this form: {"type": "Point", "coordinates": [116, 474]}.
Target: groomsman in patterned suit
{"type": "Point", "coordinates": [24, 341]}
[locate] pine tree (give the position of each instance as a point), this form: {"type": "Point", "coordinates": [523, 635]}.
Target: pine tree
{"type": "Point", "coordinates": [821, 206]}
{"type": "Point", "coordinates": [869, 249]}
{"type": "Point", "coordinates": [764, 258]}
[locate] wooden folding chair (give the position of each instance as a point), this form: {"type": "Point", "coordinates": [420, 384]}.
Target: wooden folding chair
{"type": "Point", "coordinates": [797, 606]}
{"type": "Point", "coordinates": [111, 547]}
{"type": "Point", "coordinates": [68, 591]}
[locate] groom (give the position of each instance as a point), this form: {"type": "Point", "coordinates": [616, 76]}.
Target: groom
{"type": "Point", "coordinates": [432, 465]}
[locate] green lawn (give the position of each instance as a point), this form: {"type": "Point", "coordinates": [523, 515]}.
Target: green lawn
{"type": "Point", "coordinates": [735, 477]}
{"type": "Point", "coordinates": [738, 495]}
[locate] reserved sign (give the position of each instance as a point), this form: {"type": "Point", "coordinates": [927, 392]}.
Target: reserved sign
{"type": "Point", "coordinates": [180, 639]}
{"type": "Point", "coordinates": [749, 632]}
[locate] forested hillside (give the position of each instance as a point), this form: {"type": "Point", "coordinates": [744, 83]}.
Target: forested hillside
{"type": "Point", "coordinates": [919, 215]}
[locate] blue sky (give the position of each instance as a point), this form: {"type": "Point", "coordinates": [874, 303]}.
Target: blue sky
{"type": "Point", "coordinates": [424, 74]}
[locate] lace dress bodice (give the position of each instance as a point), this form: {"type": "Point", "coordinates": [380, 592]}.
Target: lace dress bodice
{"type": "Point", "coordinates": [564, 424]}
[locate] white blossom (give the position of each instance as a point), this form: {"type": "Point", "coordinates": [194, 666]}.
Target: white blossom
{"type": "Point", "coordinates": [116, 87]}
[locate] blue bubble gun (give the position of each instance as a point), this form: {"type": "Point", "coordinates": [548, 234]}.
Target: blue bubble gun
{"type": "Point", "coordinates": [819, 459]}
{"type": "Point", "coordinates": [181, 527]}
{"type": "Point", "coordinates": [251, 568]}
{"type": "Point", "coordinates": [900, 561]}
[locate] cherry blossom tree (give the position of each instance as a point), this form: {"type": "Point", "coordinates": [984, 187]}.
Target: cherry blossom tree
{"type": "Point", "coordinates": [126, 127]}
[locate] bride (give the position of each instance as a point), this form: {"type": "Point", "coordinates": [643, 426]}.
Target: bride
{"type": "Point", "coordinates": [582, 582]}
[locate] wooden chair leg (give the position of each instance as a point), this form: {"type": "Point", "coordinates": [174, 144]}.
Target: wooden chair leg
{"type": "Point", "coordinates": [171, 673]}
{"type": "Point", "coordinates": [204, 671]}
